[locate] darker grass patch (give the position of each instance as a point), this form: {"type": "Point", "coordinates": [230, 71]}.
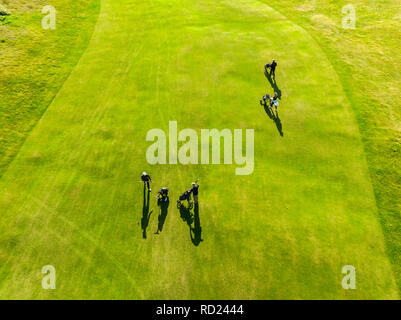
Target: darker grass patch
{"type": "Point", "coordinates": [3, 18]}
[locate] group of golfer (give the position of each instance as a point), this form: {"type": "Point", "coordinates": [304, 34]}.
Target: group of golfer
{"type": "Point", "coordinates": [162, 194]}
{"type": "Point", "coordinates": [268, 100]}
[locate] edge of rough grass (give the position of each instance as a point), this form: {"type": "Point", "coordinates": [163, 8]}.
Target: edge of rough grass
{"type": "Point", "coordinates": [34, 63]}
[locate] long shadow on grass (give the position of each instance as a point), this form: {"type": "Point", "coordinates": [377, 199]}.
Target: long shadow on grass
{"type": "Point", "coordinates": [193, 222]}
{"type": "Point", "coordinates": [275, 117]}
{"type": "Point", "coordinates": [145, 212]}
{"type": "Point", "coordinates": [163, 204]}
{"type": "Point", "coordinates": [196, 231]}
{"type": "Point", "coordinates": [273, 84]}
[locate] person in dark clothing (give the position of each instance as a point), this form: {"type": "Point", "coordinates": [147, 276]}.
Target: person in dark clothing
{"type": "Point", "coordinates": [195, 190]}
{"type": "Point", "coordinates": [164, 191]}
{"type": "Point", "coordinates": [272, 67]}
{"type": "Point", "coordinates": [146, 179]}
{"type": "Point", "coordinates": [163, 194]}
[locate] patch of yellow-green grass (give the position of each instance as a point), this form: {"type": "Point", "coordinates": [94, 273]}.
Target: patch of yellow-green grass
{"type": "Point", "coordinates": [35, 62]}
{"type": "Point", "coordinates": [368, 62]}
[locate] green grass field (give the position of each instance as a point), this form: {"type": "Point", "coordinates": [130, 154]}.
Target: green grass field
{"type": "Point", "coordinates": [324, 195]}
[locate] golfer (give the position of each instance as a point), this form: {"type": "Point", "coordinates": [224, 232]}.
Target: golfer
{"type": "Point", "coordinates": [272, 67]}
{"type": "Point", "coordinates": [163, 194]}
{"type": "Point", "coordinates": [195, 187]}
{"type": "Point", "coordinates": [146, 179]}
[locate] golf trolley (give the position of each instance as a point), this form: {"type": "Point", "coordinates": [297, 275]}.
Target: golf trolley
{"type": "Point", "coordinates": [180, 204]}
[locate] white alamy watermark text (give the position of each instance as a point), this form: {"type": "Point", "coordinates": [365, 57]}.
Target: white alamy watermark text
{"type": "Point", "coordinates": [188, 153]}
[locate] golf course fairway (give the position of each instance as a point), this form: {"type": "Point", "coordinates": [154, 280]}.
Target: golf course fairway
{"type": "Point", "coordinates": [72, 197]}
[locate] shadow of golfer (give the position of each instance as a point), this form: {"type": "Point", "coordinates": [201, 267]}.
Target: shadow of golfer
{"type": "Point", "coordinates": [193, 222]}
{"type": "Point", "coordinates": [163, 204]}
{"type": "Point", "coordinates": [186, 215]}
{"type": "Point", "coordinates": [275, 118]}
{"type": "Point", "coordinates": [196, 231]}
{"type": "Point", "coordinates": [279, 126]}
{"type": "Point", "coordinates": [145, 212]}
{"type": "Point", "coordinates": [273, 84]}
